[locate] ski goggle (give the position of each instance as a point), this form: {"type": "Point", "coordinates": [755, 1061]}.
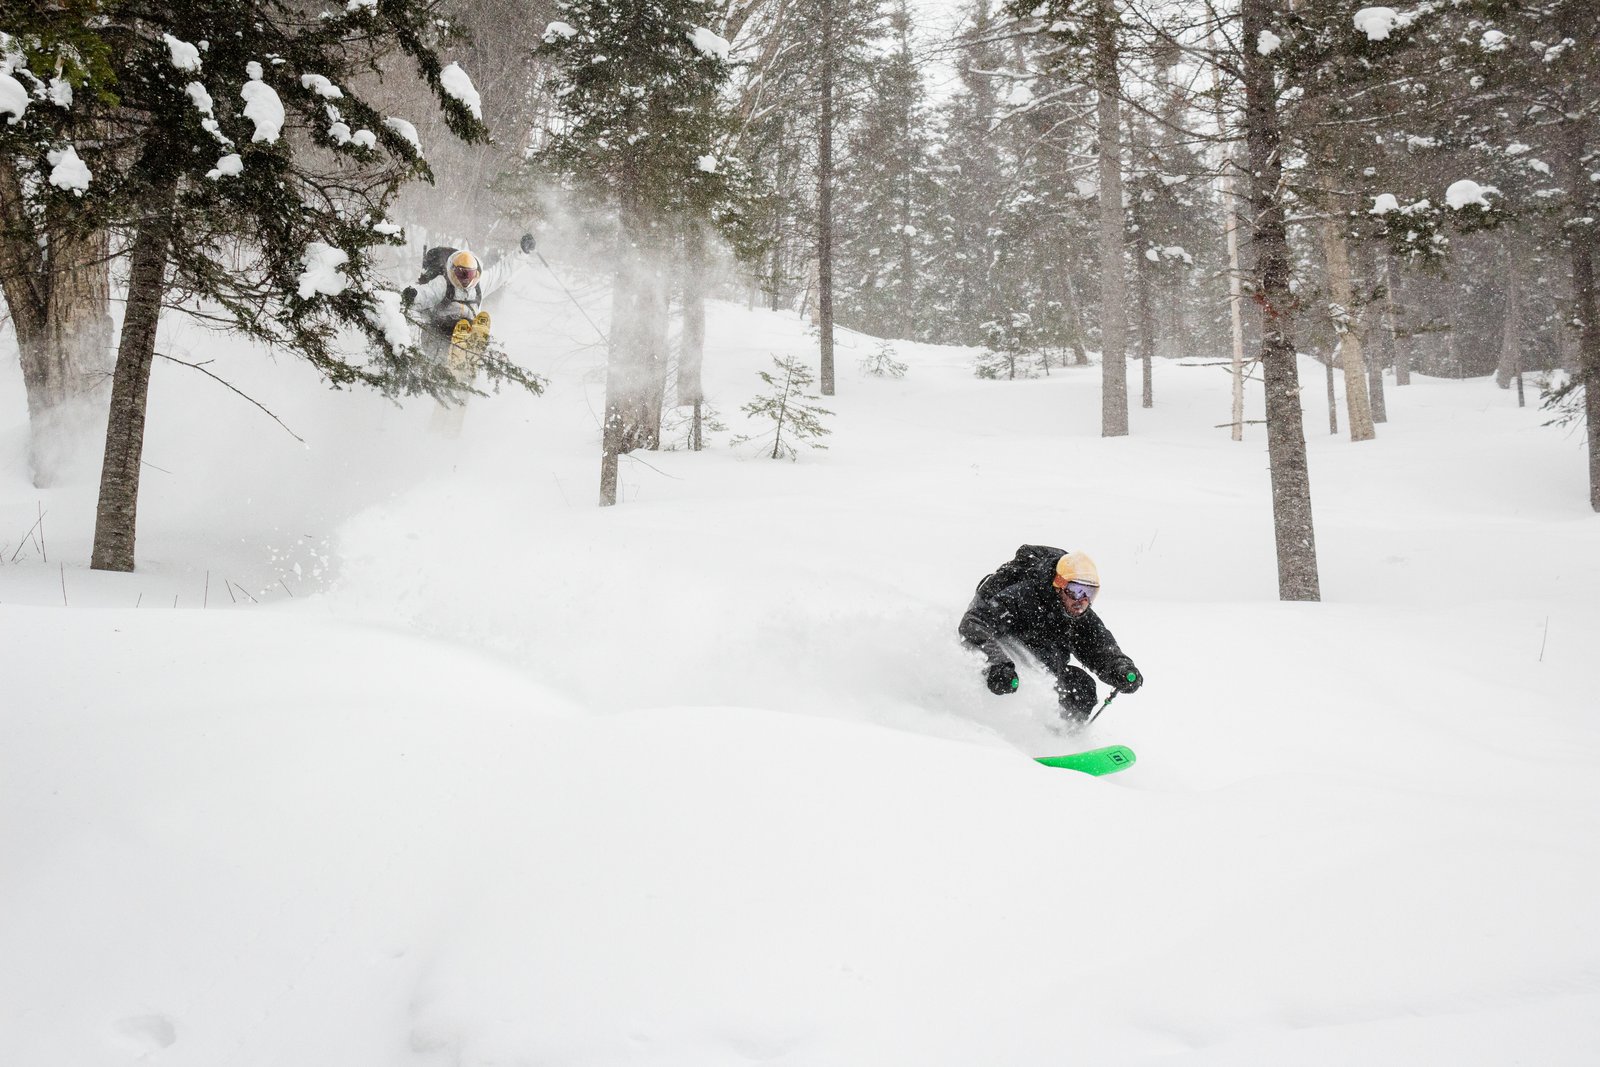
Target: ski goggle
{"type": "Point", "coordinates": [464, 276]}
{"type": "Point", "coordinates": [1080, 591]}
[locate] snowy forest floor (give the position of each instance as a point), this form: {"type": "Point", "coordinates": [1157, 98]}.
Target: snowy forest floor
{"type": "Point", "coordinates": [396, 749]}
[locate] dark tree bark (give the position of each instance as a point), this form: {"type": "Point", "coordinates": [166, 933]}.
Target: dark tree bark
{"type": "Point", "coordinates": [116, 517]}
{"type": "Point", "coordinates": [1286, 441]}
{"type": "Point", "coordinates": [1583, 289]}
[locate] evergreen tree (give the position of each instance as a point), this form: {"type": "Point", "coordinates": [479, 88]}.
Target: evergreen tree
{"type": "Point", "coordinates": [1535, 66]}
{"type": "Point", "coordinates": [884, 199]}
{"type": "Point", "coordinates": [970, 180]}
{"type": "Point", "coordinates": [638, 83]}
{"type": "Point", "coordinates": [794, 420]}
{"type": "Point", "coordinates": [1083, 43]}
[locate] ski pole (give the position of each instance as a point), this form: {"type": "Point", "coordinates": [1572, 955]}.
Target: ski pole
{"type": "Point", "coordinates": [570, 297]}
{"type": "Point", "coordinates": [1102, 707]}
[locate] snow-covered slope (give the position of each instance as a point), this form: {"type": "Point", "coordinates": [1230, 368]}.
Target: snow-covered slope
{"type": "Point", "coordinates": [456, 768]}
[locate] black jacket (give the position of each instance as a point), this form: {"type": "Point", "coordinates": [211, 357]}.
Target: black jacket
{"type": "Point", "coordinates": [1028, 611]}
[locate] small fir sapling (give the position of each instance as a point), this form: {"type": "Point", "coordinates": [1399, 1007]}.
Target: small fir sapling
{"type": "Point", "coordinates": [1008, 343]}
{"type": "Point", "coordinates": [678, 425]}
{"type": "Point", "coordinates": [881, 362]}
{"type": "Point", "coordinates": [793, 420]}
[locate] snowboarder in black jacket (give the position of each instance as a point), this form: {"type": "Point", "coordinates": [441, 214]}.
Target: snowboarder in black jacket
{"type": "Point", "coordinates": [1039, 602]}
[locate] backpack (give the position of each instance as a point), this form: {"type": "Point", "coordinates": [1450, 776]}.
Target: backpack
{"type": "Point", "coordinates": [434, 260]}
{"type": "Point", "coordinates": [1030, 561]}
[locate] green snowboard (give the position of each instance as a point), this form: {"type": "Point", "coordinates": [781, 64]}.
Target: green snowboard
{"type": "Point", "coordinates": [1096, 761]}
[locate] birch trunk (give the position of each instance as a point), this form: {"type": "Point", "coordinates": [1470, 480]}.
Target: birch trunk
{"type": "Point", "coordinates": [1347, 322]}
{"type": "Point", "coordinates": [1333, 395]}
{"type": "Point", "coordinates": [1235, 296]}
{"type": "Point", "coordinates": [1286, 442]}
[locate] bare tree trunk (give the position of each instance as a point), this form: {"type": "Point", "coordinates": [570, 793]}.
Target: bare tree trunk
{"type": "Point", "coordinates": [1113, 288]}
{"type": "Point", "coordinates": [1286, 442]}
{"type": "Point", "coordinates": [1333, 396]}
{"type": "Point", "coordinates": [691, 389]}
{"type": "Point", "coordinates": [1147, 329]}
{"type": "Point", "coordinates": [1587, 303]}
{"type": "Point", "coordinates": [1373, 326]}
{"type": "Point", "coordinates": [656, 308]}
{"type": "Point", "coordinates": [1589, 355]}
{"type": "Point", "coordinates": [1511, 332]}
{"type": "Point", "coordinates": [908, 326]}
{"type": "Point", "coordinates": [825, 204]}
{"type": "Point", "coordinates": [1346, 320]}
{"type": "Point", "coordinates": [116, 517]}
{"type": "Point", "coordinates": [637, 351]}
{"type": "Point", "coordinates": [1080, 358]}
{"type": "Point", "coordinates": [1391, 296]}
{"type": "Point", "coordinates": [1380, 410]}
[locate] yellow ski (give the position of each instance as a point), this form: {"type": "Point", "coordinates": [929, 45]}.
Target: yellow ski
{"type": "Point", "coordinates": [468, 341]}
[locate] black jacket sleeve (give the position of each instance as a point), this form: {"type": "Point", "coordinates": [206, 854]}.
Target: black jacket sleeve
{"type": "Point", "coordinates": [1094, 646]}
{"type": "Point", "coordinates": [988, 619]}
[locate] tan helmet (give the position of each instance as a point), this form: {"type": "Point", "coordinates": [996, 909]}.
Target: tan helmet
{"type": "Point", "coordinates": [464, 269]}
{"type": "Point", "coordinates": [1076, 567]}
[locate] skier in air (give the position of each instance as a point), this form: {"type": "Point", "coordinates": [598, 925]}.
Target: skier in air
{"type": "Point", "coordinates": [452, 287]}
{"type": "Point", "coordinates": [1039, 603]}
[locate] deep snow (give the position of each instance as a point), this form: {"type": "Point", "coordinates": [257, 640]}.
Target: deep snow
{"type": "Point", "coordinates": [456, 768]}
